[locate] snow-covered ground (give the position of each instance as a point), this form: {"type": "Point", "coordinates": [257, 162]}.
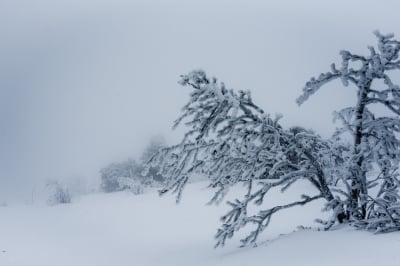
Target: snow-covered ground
{"type": "Point", "coordinates": [123, 229]}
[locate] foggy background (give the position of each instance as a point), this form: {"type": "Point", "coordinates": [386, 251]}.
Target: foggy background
{"type": "Point", "coordinates": [84, 83]}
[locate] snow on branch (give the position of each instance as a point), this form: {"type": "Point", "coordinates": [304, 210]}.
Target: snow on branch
{"type": "Point", "coordinates": [230, 140]}
{"type": "Point", "coordinates": [376, 137]}
{"type": "Point", "coordinates": [372, 66]}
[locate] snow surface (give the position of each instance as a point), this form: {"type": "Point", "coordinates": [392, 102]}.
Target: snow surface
{"type": "Point", "coordinates": [123, 229]}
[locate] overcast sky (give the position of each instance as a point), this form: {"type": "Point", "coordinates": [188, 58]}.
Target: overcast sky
{"type": "Point", "coordinates": [84, 83]}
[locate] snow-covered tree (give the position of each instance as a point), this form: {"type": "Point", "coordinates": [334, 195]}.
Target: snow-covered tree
{"type": "Point", "coordinates": [59, 194]}
{"type": "Point", "coordinates": [151, 174]}
{"type": "Point", "coordinates": [231, 140]}
{"type": "Point", "coordinates": [120, 176]}
{"type": "Point", "coordinates": [130, 174]}
{"type": "Point", "coordinates": [371, 202]}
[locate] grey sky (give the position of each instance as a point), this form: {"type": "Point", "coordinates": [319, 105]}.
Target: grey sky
{"type": "Point", "coordinates": [84, 83]}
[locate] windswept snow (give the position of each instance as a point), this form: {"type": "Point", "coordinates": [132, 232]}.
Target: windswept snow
{"type": "Point", "coordinates": [123, 229]}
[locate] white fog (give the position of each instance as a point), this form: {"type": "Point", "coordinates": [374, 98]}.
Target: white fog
{"type": "Point", "coordinates": [86, 83]}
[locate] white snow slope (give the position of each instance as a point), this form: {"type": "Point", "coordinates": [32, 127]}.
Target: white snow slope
{"type": "Point", "coordinates": [122, 229]}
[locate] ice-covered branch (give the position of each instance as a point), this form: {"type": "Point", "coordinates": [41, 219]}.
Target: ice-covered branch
{"type": "Point", "coordinates": [237, 219]}
{"type": "Point", "coordinates": [376, 138]}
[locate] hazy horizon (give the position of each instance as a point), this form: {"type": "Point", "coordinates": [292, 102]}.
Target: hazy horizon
{"type": "Point", "coordinates": [85, 83]}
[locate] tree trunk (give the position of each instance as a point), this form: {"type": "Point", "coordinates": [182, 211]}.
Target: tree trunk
{"type": "Point", "coordinates": [359, 181]}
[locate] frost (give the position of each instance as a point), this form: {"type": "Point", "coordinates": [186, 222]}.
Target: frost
{"type": "Point", "coordinates": [376, 139]}
{"type": "Point", "coordinates": [231, 140]}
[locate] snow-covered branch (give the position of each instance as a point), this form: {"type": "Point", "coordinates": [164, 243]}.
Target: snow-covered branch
{"type": "Point", "coordinates": [376, 138]}
{"type": "Point", "coordinates": [231, 140]}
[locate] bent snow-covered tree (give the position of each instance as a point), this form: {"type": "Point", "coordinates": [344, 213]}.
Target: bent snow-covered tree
{"type": "Point", "coordinates": [371, 202]}
{"type": "Point", "coordinates": [231, 140]}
